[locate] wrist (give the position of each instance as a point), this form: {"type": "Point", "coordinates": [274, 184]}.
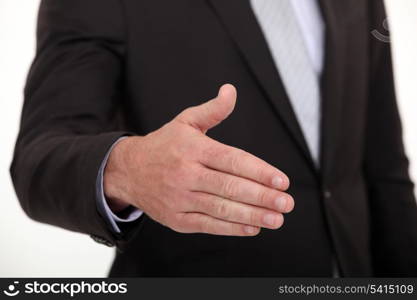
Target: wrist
{"type": "Point", "coordinates": [115, 176]}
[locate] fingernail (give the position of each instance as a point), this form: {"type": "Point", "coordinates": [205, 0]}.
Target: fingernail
{"type": "Point", "coordinates": [250, 230]}
{"type": "Point", "coordinates": [281, 203]}
{"type": "Point", "coordinates": [277, 182]}
{"type": "Point", "coordinates": [270, 219]}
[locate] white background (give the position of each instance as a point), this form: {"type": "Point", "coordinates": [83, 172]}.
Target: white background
{"type": "Point", "coordinates": [32, 249]}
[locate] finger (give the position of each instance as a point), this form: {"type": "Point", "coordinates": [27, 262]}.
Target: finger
{"type": "Point", "coordinates": [243, 164]}
{"type": "Point", "coordinates": [236, 212]}
{"type": "Point", "coordinates": [242, 190]}
{"type": "Point", "coordinates": [201, 223]}
{"type": "Point", "coordinates": [211, 113]}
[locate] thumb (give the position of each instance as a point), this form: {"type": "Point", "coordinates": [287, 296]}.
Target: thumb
{"type": "Point", "coordinates": [211, 113]}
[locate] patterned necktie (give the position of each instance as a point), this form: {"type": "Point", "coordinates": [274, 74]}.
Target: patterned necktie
{"type": "Point", "coordinates": [300, 77]}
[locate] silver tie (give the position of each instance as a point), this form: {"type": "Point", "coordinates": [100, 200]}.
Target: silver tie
{"type": "Point", "coordinates": [281, 29]}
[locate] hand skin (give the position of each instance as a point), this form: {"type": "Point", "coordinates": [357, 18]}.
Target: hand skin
{"type": "Point", "coordinates": [191, 183]}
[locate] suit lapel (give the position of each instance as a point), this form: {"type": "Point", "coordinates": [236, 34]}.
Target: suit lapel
{"type": "Point", "coordinates": [332, 81]}
{"type": "Point", "coordinates": [240, 22]}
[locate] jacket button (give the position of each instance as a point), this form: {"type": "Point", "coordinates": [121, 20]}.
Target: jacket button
{"type": "Point", "coordinates": [327, 194]}
{"type": "Point", "coordinates": [102, 240]}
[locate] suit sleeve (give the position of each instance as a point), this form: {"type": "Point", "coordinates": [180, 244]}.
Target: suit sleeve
{"type": "Point", "coordinates": [69, 119]}
{"type": "Point", "coordinates": [392, 200]}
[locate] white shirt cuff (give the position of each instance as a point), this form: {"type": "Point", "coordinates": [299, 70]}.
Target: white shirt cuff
{"type": "Point", "coordinates": [102, 204]}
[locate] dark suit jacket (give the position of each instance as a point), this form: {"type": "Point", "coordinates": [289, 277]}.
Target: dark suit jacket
{"type": "Point", "coordinates": [108, 68]}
